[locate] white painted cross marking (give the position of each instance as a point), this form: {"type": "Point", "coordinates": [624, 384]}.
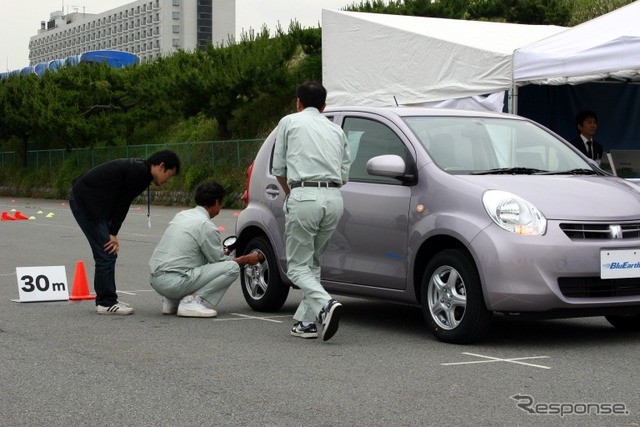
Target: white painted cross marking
{"type": "Point", "coordinates": [515, 360]}
{"type": "Point", "coordinates": [265, 318]}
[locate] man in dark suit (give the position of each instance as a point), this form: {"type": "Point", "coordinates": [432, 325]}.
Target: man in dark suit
{"type": "Point", "coordinates": [587, 124]}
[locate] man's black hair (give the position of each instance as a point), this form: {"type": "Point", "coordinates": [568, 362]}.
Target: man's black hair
{"type": "Point", "coordinates": [208, 192]}
{"type": "Point", "coordinates": [312, 94]}
{"type": "Point", "coordinates": [169, 158]}
{"type": "Point", "coordinates": [584, 115]}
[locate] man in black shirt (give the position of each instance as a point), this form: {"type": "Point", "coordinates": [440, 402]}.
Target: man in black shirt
{"type": "Point", "coordinates": [100, 200]}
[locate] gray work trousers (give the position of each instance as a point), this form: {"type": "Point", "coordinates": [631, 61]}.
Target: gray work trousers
{"type": "Point", "coordinates": [312, 215]}
{"type": "Point", "coordinates": [209, 282]}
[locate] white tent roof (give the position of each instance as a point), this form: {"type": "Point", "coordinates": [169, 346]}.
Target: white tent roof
{"type": "Point", "coordinates": [370, 58]}
{"type": "Point", "coordinates": [607, 46]}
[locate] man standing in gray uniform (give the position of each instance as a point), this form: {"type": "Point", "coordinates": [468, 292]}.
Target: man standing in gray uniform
{"type": "Point", "coordinates": [311, 162]}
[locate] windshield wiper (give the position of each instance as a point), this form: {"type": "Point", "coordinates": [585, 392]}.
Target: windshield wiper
{"type": "Point", "coordinates": [573, 172]}
{"type": "Point", "coordinates": [511, 171]}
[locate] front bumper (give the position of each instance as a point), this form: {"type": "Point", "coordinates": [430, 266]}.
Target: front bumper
{"type": "Point", "coordinates": [550, 272]}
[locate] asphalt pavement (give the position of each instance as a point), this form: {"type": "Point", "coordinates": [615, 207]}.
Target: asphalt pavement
{"type": "Point", "coordinates": [63, 365]}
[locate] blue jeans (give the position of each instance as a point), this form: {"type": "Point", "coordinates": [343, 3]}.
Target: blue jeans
{"type": "Point", "coordinates": [97, 233]}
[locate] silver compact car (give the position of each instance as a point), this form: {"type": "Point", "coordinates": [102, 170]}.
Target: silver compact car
{"type": "Point", "coordinates": [465, 214]}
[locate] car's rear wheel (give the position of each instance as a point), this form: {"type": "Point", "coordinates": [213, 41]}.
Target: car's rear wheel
{"type": "Point", "coordinates": [625, 322]}
{"type": "Point", "coordinates": [262, 286]}
{"type": "Point", "coordinates": [452, 300]}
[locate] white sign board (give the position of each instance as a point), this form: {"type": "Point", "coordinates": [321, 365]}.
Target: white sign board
{"type": "Point", "coordinates": [620, 263]}
{"type": "Point", "coordinates": [42, 283]}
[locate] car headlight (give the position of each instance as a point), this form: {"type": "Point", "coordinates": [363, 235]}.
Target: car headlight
{"type": "Point", "coordinates": [513, 213]}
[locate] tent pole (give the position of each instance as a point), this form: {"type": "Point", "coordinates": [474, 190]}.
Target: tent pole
{"type": "Point", "coordinates": [513, 99]}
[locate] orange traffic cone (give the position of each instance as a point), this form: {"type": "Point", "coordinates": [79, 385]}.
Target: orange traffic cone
{"type": "Point", "coordinates": [19, 215]}
{"type": "Point", "coordinates": [80, 288]}
{"type": "Point", "coordinates": [6, 217]}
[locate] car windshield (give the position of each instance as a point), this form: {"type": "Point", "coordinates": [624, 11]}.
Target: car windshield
{"type": "Point", "coordinates": [473, 145]}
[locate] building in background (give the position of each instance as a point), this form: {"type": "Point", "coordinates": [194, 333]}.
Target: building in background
{"type": "Point", "coordinates": [148, 28]}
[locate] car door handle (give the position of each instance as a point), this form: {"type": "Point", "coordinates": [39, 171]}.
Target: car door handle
{"type": "Point", "coordinates": [272, 191]}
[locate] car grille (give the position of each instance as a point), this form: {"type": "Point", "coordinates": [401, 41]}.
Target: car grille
{"type": "Point", "coordinates": [595, 287]}
{"type": "Point", "coordinates": [601, 231]}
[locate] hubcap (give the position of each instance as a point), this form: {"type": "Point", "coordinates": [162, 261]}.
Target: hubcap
{"type": "Point", "coordinates": [256, 278]}
{"type": "Point", "coordinates": [447, 297]}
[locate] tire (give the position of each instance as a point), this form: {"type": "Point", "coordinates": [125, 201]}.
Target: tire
{"type": "Point", "coordinates": [452, 301]}
{"type": "Point", "coordinates": [262, 286]}
{"type": "Point", "coordinates": [625, 322]}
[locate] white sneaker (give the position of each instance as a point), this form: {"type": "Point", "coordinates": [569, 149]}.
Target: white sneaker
{"type": "Point", "coordinates": [170, 306]}
{"type": "Point", "coordinates": [119, 308]}
{"type": "Point", "coordinates": [191, 306]}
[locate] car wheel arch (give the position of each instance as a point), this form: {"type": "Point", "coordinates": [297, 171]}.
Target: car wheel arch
{"type": "Point", "coordinates": [251, 232]}
{"type": "Point", "coordinates": [246, 236]}
{"type": "Point", "coordinates": [428, 249]}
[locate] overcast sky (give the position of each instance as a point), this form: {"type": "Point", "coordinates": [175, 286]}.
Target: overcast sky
{"type": "Point", "coordinates": [21, 19]}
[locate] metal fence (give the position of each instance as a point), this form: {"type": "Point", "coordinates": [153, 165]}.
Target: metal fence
{"type": "Point", "coordinates": [214, 153]}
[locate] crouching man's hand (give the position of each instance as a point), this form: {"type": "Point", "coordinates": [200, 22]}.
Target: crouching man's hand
{"type": "Point", "coordinates": [252, 258]}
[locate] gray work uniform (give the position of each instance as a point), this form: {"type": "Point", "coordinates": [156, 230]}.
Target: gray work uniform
{"type": "Point", "coordinates": [309, 147]}
{"type": "Point", "coordinates": [189, 259]}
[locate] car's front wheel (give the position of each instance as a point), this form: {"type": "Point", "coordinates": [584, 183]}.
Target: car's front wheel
{"type": "Point", "coordinates": [262, 286]}
{"type": "Point", "coordinates": [452, 300]}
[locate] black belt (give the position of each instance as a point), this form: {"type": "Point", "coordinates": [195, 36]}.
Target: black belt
{"type": "Point", "coordinates": [315, 184]}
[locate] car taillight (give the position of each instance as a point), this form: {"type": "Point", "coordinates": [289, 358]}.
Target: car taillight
{"type": "Point", "coordinates": [245, 194]}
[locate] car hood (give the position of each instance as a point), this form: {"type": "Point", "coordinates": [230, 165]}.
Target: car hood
{"type": "Point", "coordinates": [578, 198]}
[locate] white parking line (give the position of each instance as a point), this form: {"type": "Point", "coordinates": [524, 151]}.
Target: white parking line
{"type": "Point", "coordinates": [133, 292]}
{"type": "Point", "coordinates": [496, 359]}
{"type": "Point", "coordinates": [241, 316]}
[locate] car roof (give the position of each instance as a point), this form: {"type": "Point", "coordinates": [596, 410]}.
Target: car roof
{"type": "Point", "coordinates": [418, 111]}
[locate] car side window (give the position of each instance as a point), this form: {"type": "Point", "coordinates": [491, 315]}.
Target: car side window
{"type": "Point", "coordinates": [367, 139]}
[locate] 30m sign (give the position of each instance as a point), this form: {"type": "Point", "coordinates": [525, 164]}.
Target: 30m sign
{"type": "Point", "coordinates": [42, 283]}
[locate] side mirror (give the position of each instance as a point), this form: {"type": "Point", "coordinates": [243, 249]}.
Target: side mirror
{"type": "Point", "coordinates": [389, 165]}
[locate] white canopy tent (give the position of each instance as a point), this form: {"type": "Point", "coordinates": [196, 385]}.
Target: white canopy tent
{"type": "Point", "coordinates": [607, 47]}
{"type": "Point", "coordinates": [381, 60]}
{"type": "Point", "coordinates": [580, 68]}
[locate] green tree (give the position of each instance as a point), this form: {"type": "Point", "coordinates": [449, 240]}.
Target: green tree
{"type": "Point", "coordinates": [23, 111]}
{"type": "Point", "coordinates": [144, 94]}
{"type": "Point", "coordinates": [556, 12]}
{"type": "Point", "coordinates": [96, 105]}
{"type": "Point", "coordinates": [545, 12]}
{"type": "Point", "coordinates": [88, 112]}
{"type": "Point", "coordinates": [219, 81]}
{"type": "Point", "coordinates": [585, 10]}
{"type": "Point", "coordinates": [307, 65]}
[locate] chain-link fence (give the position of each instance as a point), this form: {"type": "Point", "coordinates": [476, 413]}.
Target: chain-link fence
{"type": "Point", "coordinates": [228, 153]}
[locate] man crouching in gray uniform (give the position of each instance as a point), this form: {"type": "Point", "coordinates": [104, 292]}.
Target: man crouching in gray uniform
{"type": "Point", "coordinates": [189, 267]}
